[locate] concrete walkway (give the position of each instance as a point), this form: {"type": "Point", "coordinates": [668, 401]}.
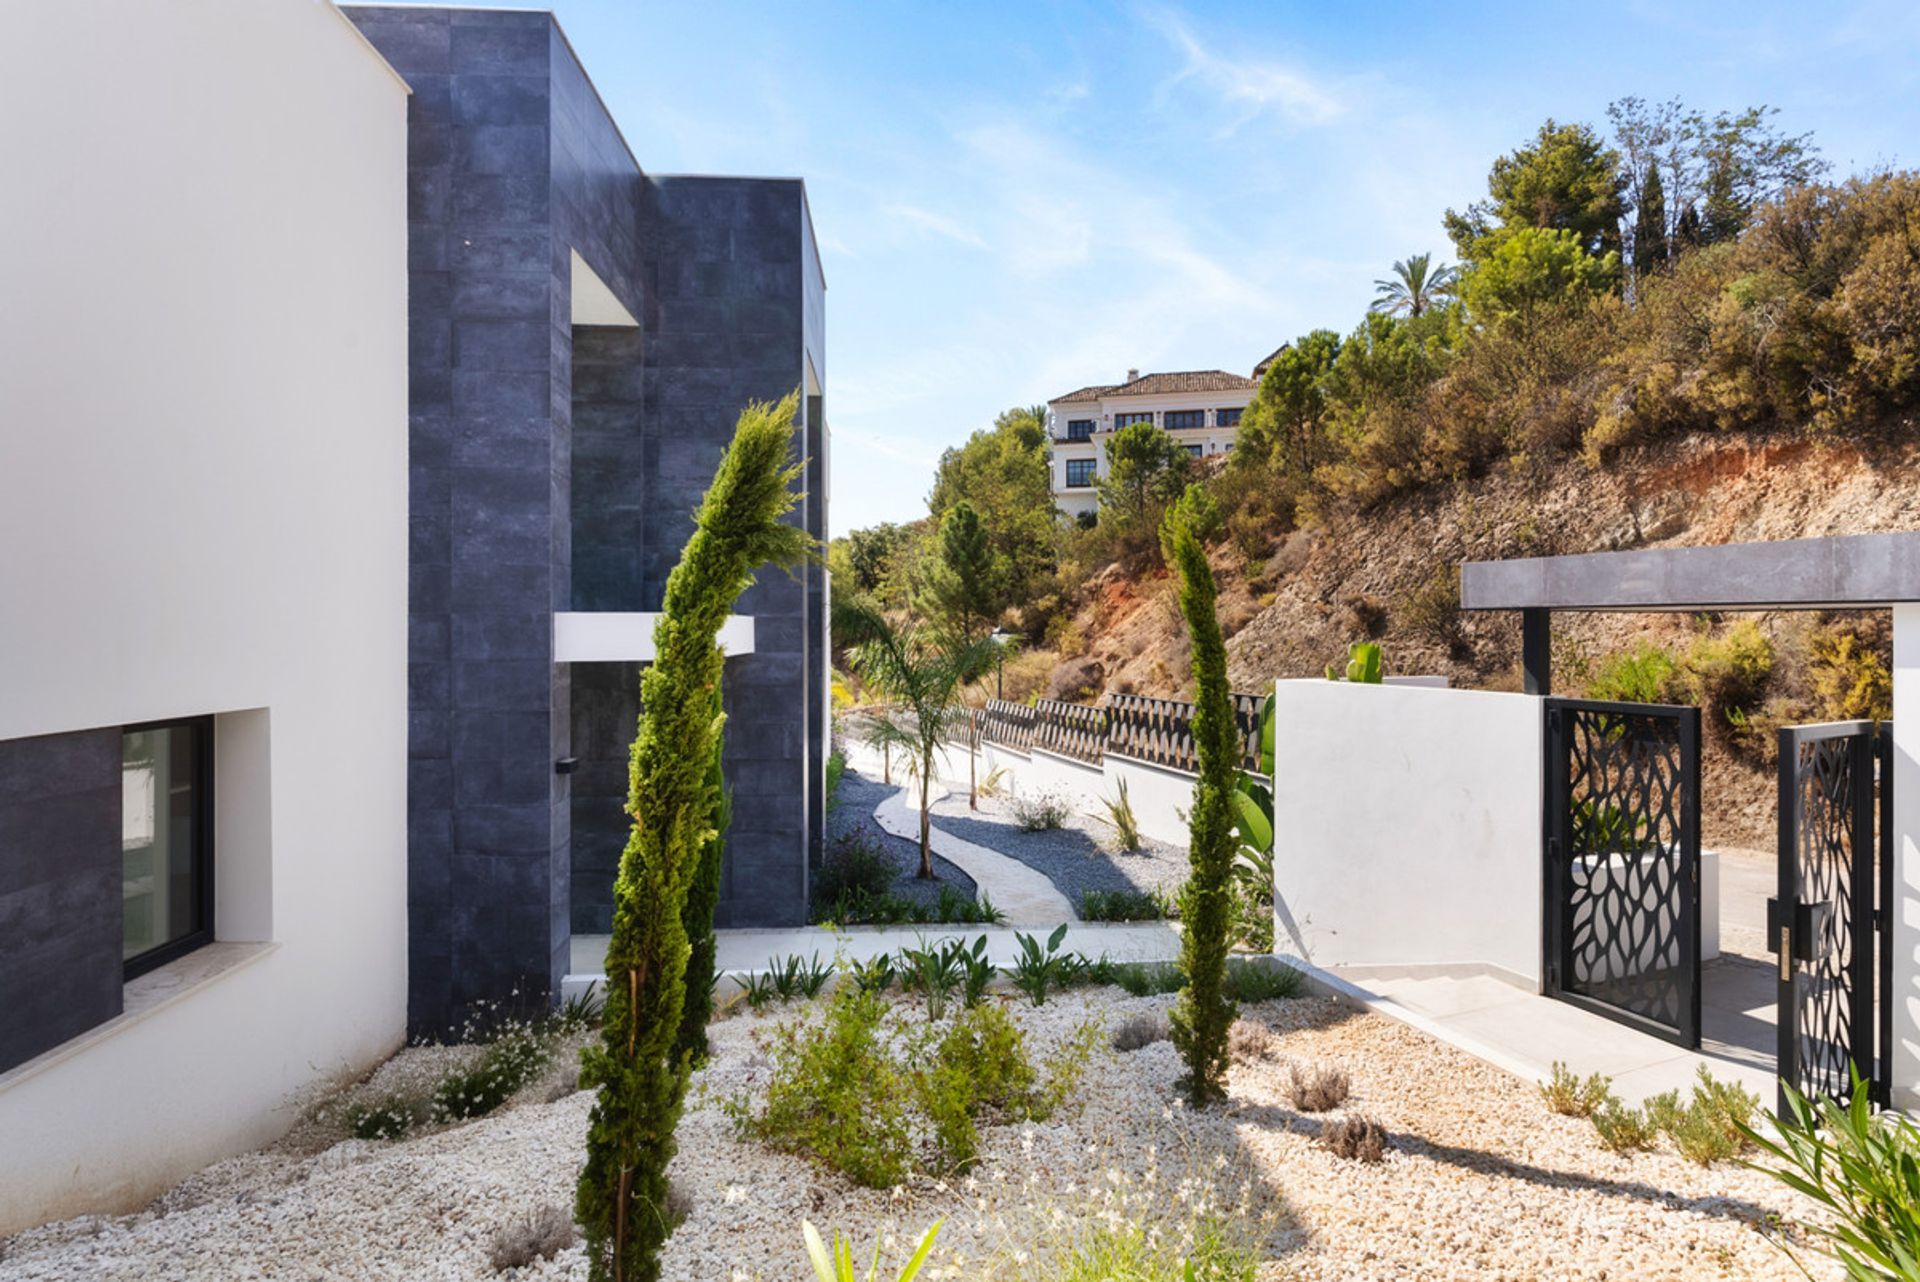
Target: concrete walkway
{"type": "Point", "coordinates": [1027, 896]}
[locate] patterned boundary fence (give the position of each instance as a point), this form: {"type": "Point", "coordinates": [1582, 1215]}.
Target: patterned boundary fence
{"type": "Point", "coordinates": [1071, 729]}
{"type": "Point", "coordinates": [1156, 731]}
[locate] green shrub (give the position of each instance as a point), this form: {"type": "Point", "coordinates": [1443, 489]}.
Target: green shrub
{"type": "Point", "coordinates": [857, 869]}
{"type": "Point", "coordinates": [835, 1093]}
{"type": "Point", "coordinates": [1431, 610]}
{"type": "Point", "coordinates": [1124, 905]}
{"type": "Point", "coordinates": [836, 767]}
{"type": "Point", "coordinates": [1251, 981]}
{"type": "Point", "coordinates": [515, 1058]}
{"type": "Point", "coordinates": [1648, 673]}
{"type": "Point", "coordinates": [875, 975]}
{"type": "Point", "coordinates": [934, 972]}
{"type": "Point", "coordinates": [1850, 680]}
{"type": "Point", "coordinates": [1623, 1129]}
{"type": "Point", "coordinates": [1216, 1251]}
{"type": "Point", "coordinates": [1569, 1096]}
{"type": "Point", "coordinates": [1146, 979]}
{"type": "Point", "coordinates": [1713, 1127]}
{"type": "Point", "coordinates": [1862, 1168]}
{"type": "Point", "coordinates": [1042, 812]}
{"type": "Point", "coordinates": [980, 1065]}
{"type": "Point", "coordinates": [388, 1118]}
{"type": "Point", "coordinates": [1727, 675]}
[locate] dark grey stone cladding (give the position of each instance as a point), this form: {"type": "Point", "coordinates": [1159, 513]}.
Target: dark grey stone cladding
{"type": "Point", "coordinates": [556, 468]}
{"type": "Point", "coordinates": [60, 912]}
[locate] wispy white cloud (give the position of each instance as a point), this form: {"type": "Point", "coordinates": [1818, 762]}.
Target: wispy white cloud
{"type": "Point", "coordinates": [1248, 87]}
{"type": "Point", "coordinates": [938, 224]}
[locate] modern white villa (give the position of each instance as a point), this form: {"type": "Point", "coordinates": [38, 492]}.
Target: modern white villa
{"type": "Point", "coordinates": [1201, 408]}
{"type": "Point", "coordinates": [357, 392]}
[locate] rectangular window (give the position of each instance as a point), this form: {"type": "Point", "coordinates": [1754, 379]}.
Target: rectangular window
{"type": "Point", "coordinates": [1128, 420]}
{"type": "Point", "coordinates": [1227, 418]}
{"type": "Point", "coordinates": [1079, 429]}
{"type": "Point", "coordinates": [166, 842]}
{"type": "Point", "coordinates": [1080, 473]}
{"type": "Point", "coordinates": [1186, 418]}
{"type": "Point", "coordinates": [1196, 450]}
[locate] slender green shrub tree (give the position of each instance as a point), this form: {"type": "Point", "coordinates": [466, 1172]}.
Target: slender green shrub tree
{"type": "Point", "coordinates": [1204, 1012]}
{"type": "Point", "coordinates": [640, 1075]}
{"type": "Point", "coordinates": [703, 896]}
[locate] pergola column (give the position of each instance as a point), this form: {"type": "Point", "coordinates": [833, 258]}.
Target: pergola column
{"type": "Point", "coordinates": [1903, 933]}
{"type": "Point", "coordinates": [1536, 650]}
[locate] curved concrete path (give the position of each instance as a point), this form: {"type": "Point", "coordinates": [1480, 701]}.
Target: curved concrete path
{"type": "Point", "coordinates": [1027, 896]}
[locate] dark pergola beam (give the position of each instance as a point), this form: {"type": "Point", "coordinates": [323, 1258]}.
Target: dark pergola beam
{"type": "Point", "coordinates": [1536, 651]}
{"type": "Point", "coordinates": [1846, 573]}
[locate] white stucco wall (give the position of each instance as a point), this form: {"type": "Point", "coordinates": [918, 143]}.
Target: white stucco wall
{"type": "Point", "coordinates": [1160, 798]}
{"type": "Point", "coordinates": [1407, 826]}
{"type": "Point", "coordinates": [203, 509]}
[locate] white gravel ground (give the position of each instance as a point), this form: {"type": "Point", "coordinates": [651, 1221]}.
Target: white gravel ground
{"type": "Point", "coordinates": [1483, 1182]}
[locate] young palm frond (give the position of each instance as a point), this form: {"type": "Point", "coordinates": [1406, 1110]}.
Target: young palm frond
{"type": "Point", "coordinates": [920, 672]}
{"type": "Point", "coordinates": [1415, 286]}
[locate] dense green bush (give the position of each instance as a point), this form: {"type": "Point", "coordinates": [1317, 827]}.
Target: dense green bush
{"type": "Point", "coordinates": [1124, 905]}
{"type": "Point", "coordinates": [1644, 674]}
{"type": "Point", "coordinates": [1850, 679]}
{"type": "Point", "coordinates": [836, 1092]}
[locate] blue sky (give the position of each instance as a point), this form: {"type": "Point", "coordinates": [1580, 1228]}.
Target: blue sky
{"type": "Point", "coordinates": [1016, 199]}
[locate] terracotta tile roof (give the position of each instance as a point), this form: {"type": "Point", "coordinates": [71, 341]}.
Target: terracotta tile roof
{"type": "Point", "coordinates": [1261, 368]}
{"type": "Point", "coordinates": [1199, 380]}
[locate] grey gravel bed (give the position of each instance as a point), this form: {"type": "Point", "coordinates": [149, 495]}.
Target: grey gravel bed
{"type": "Point", "coordinates": [1080, 857]}
{"type": "Point", "coordinates": [858, 796]}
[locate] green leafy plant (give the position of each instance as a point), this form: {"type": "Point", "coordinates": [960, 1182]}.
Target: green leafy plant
{"type": "Point", "coordinates": [836, 768]}
{"type": "Point", "coordinates": [976, 972]}
{"type": "Point", "coordinates": [1567, 1094]}
{"type": "Point", "coordinates": [1203, 1012]}
{"type": "Point", "coordinates": [1041, 812]}
{"type": "Point", "coordinates": [1124, 905]}
{"type": "Point", "coordinates": [1713, 1127]}
{"type": "Point", "coordinates": [875, 975]}
{"type": "Point", "coordinates": [1253, 980]}
{"type": "Point", "coordinates": [1623, 1128]}
{"type": "Point", "coordinates": [387, 1118]}
{"type": "Point", "coordinates": [836, 1093]}
{"type": "Point", "coordinates": [1600, 829]}
{"type": "Point", "coordinates": [835, 1264]}
{"type": "Point", "coordinates": [640, 1076]}
{"type": "Point", "coordinates": [1253, 827]}
{"type": "Point", "coordinates": [979, 1064]}
{"type": "Point", "coordinates": [510, 1061]}
{"type": "Point", "coordinates": [1147, 979]}
{"type": "Point", "coordinates": [1363, 664]}
{"type": "Point", "coordinates": [933, 971]}
{"type": "Point", "coordinates": [1862, 1167]}
{"type": "Point", "coordinates": [1126, 828]}
{"type": "Point", "coordinates": [1035, 971]}
{"type": "Point", "coordinates": [1648, 673]}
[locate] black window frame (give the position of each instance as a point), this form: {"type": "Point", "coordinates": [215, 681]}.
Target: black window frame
{"type": "Point", "coordinates": [1198, 417]}
{"type": "Point", "coordinates": [1220, 418]}
{"type": "Point", "coordinates": [1091, 467]}
{"type": "Point", "coordinates": [1129, 419]}
{"type": "Point", "coordinates": [1079, 429]}
{"type": "Point", "coordinates": [1197, 451]}
{"type": "Point", "coordinates": [202, 933]}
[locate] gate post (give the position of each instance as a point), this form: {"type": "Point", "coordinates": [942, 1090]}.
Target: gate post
{"type": "Point", "coordinates": [1903, 925]}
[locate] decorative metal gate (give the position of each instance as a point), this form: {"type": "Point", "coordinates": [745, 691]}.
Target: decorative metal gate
{"type": "Point", "coordinates": [1622, 883]}
{"type": "Point", "coordinates": [1821, 925]}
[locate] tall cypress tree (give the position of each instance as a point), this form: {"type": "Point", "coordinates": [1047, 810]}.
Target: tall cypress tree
{"type": "Point", "coordinates": [1650, 224]}
{"type": "Point", "coordinates": [640, 1075]}
{"type": "Point", "coordinates": [1203, 1013]}
{"type": "Point", "coordinates": [703, 897]}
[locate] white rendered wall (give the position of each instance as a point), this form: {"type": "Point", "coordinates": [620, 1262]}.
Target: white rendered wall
{"type": "Point", "coordinates": [1905, 932]}
{"type": "Point", "coordinates": [1407, 826]}
{"type": "Point", "coordinates": [203, 509]}
{"type": "Point", "coordinates": [1161, 798]}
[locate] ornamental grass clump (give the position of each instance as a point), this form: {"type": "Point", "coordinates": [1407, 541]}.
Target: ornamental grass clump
{"type": "Point", "coordinates": [1203, 1012]}
{"type": "Point", "coordinates": [640, 1068]}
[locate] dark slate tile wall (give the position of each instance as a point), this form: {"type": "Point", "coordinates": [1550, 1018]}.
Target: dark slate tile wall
{"type": "Point", "coordinates": [724, 326]}
{"type": "Point", "coordinates": [487, 815]}
{"type": "Point", "coordinates": [60, 913]}
{"type": "Point", "coordinates": [606, 705]}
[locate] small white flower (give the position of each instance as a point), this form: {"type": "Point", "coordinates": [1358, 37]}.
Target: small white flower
{"type": "Point", "coordinates": [735, 1194]}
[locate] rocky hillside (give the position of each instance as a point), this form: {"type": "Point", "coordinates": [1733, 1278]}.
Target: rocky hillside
{"type": "Point", "coordinates": [1293, 606]}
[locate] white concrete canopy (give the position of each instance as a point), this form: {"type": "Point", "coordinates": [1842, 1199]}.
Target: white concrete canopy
{"type": "Point", "coordinates": [620, 636]}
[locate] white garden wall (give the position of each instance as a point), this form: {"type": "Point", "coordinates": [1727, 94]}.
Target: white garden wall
{"type": "Point", "coordinates": [1160, 797]}
{"type": "Point", "coordinates": [1407, 827]}
{"type": "Point", "coordinates": [203, 510]}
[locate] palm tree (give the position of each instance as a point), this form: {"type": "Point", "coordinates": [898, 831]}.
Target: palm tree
{"type": "Point", "coordinates": [1414, 288]}
{"type": "Point", "coordinates": [920, 673]}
